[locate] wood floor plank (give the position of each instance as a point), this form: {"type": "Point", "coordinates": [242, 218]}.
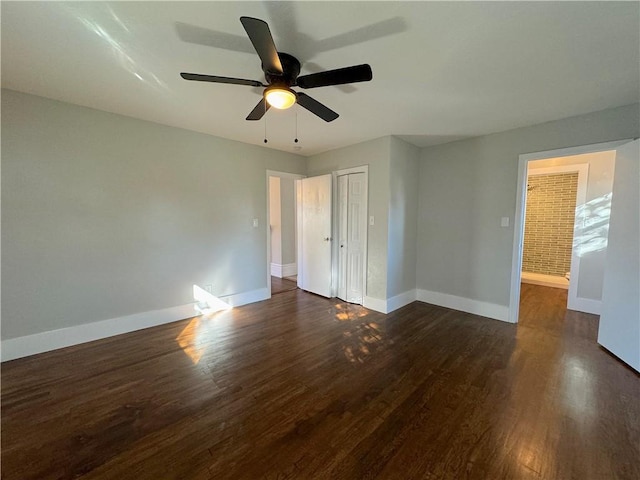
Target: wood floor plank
{"type": "Point", "coordinates": [301, 387]}
{"type": "Point", "coordinates": [279, 285]}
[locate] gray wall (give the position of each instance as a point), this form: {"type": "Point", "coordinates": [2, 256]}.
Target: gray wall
{"type": "Point", "coordinates": [599, 188]}
{"type": "Point", "coordinates": [288, 219]}
{"type": "Point", "coordinates": [374, 153]}
{"type": "Point", "coordinates": [403, 217]}
{"type": "Point", "coordinates": [104, 215]}
{"type": "Point", "coordinates": [467, 186]}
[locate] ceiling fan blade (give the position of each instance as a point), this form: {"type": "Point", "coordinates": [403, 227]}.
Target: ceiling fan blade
{"type": "Point", "coordinates": [259, 110]}
{"type": "Point", "coordinates": [215, 79]}
{"type": "Point", "coordinates": [260, 36]}
{"type": "Point", "coordinates": [356, 73]}
{"type": "Point", "coordinates": [316, 107]}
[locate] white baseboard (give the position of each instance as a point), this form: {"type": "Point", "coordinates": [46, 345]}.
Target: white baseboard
{"type": "Point", "coordinates": [285, 270]}
{"type": "Point", "coordinates": [375, 304]}
{"type": "Point", "coordinates": [477, 307]}
{"type": "Point", "coordinates": [276, 270]}
{"type": "Point", "coordinates": [13, 348]}
{"type": "Point", "coordinates": [399, 301]}
{"type": "Point", "coordinates": [586, 305]}
{"type": "Point", "coordinates": [390, 304]}
{"type": "Point", "coordinates": [289, 269]}
{"type": "Point", "coordinates": [244, 298]}
{"type": "Point", "coordinates": [544, 280]}
{"type": "Point", "coordinates": [65, 337]}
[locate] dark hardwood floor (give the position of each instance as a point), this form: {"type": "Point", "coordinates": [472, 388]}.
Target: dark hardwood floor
{"type": "Point", "coordinates": [301, 387]}
{"type": "Point", "coordinates": [279, 285]}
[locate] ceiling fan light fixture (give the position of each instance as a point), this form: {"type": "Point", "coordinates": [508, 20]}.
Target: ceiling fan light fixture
{"type": "Point", "coordinates": [280, 97]}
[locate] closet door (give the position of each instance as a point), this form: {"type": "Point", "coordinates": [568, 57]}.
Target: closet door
{"type": "Point", "coordinates": [356, 234]}
{"type": "Point", "coordinates": [343, 199]}
{"type": "Point", "coordinates": [352, 227]}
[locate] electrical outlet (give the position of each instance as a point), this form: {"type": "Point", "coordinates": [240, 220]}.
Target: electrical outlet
{"type": "Point", "coordinates": [209, 288]}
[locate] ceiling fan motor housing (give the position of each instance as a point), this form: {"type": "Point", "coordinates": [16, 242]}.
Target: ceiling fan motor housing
{"type": "Point", "coordinates": [290, 71]}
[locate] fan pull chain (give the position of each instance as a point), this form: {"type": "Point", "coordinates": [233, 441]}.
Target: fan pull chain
{"type": "Point", "coordinates": [296, 139]}
{"type": "Point", "coordinates": [265, 122]}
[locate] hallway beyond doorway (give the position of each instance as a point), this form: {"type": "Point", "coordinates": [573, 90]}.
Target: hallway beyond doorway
{"type": "Point", "coordinates": [279, 285]}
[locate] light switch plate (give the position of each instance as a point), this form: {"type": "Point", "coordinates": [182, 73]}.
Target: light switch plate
{"type": "Point", "coordinates": [504, 222]}
{"type": "Point", "coordinates": [371, 220]}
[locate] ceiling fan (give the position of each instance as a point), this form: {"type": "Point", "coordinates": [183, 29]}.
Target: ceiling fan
{"type": "Point", "coordinates": [281, 72]}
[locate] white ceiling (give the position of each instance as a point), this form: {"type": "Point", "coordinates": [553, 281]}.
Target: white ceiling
{"type": "Point", "coordinates": [441, 71]}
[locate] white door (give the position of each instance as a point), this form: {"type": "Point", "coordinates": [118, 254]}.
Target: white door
{"type": "Point", "coordinates": [343, 208]}
{"type": "Point", "coordinates": [314, 268]}
{"type": "Point", "coordinates": [619, 329]}
{"type": "Point", "coordinates": [352, 226]}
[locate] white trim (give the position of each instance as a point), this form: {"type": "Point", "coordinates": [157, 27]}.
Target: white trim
{"type": "Point", "coordinates": [545, 280]}
{"type": "Point", "coordinates": [65, 337]}
{"type": "Point", "coordinates": [586, 305]}
{"type": "Point", "coordinates": [289, 269]}
{"type": "Point", "coordinates": [390, 304]}
{"type": "Point", "coordinates": [13, 348]}
{"type": "Point", "coordinates": [244, 298]}
{"type": "Point", "coordinates": [347, 171]}
{"type": "Point", "coordinates": [286, 270]}
{"type": "Point", "coordinates": [293, 176]}
{"type": "Point", "coordinates": [374, 304]}
{"type": "Point", "coordinates": [518, 239]}
{"type": "Point", "coordinates": [518, 230]}
{"type": "Point", "coordinates": [572, 151]}
{"type": "Point", "coordinates": [400, 300]}
{"type": "Point", "coordinates": [469, 305]}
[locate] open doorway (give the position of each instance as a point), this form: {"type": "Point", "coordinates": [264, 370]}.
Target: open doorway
{"type": "Point", "coordinates": [568, 201]}
{"type": "Point", "coordinates": [282, 267]}
{"type": "Point", "coordinates": [562, 227]}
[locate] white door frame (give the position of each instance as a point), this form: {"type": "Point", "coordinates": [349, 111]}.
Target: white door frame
{"type": "Point", "coordinates": [335, 253]}
{"type": "Point", "coordinates": [294, 176]}
{"type": "Point", "coordinates": [518, 225]}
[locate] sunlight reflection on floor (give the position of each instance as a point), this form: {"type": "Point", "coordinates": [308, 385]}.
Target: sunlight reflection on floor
{"type": "Point", "coordinates": [361, 340]}
{"type": "Point", "coordinates": [192, 338]}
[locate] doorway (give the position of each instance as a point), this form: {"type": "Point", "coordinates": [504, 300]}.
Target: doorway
{"type": "Point", "coordinates": [555, 215]}
{"type": "Point", "coordinates": [282, 225]}
{"type": "Point", "coordinates": [595, 167]}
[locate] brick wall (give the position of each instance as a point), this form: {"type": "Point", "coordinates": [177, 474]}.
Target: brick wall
{"type": "Point", "coordinates": [548, 235]}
